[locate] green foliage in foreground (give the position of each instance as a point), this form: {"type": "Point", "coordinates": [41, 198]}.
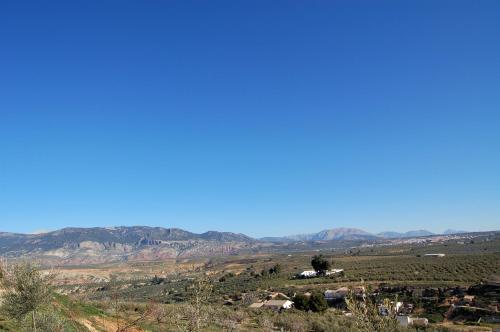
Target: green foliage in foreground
{"type": "Point", "coordinates": [29, 303]}
{"type": "Point", "coordinates": [26, 292]}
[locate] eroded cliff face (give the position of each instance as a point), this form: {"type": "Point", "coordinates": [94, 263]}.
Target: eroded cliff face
{"type": "Point", "coordinates": [95, 253]}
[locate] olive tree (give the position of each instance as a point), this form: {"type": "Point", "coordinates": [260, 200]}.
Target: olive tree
{"type": "Point", "coordinates": [317, 302]}
{"type": "Point", "coordinates": [320, 264]}
{"type": "Point", "coordinates": [26, 291]}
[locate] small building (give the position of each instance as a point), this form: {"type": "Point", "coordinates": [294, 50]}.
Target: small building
{"type": "Point", "coordinates": [334, 271]}
{"type": "Point", "coordinates": [278, 304]}
{"type": "Point", "coordinates": [272, 304]}
{"type": "Point", "coordinates": [336, 294]}
{"type": "Point", "coordinates": [312, 273]}
{"type": "Point", "coordinates": [405, 321]}
{"type": "Point", "coordinates": [308, 274]}
{"type": "Point", "coordinates": [434, 255]}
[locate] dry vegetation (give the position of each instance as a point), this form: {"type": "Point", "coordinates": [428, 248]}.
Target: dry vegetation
{"type": "Point", "coordinates": [189, 294]}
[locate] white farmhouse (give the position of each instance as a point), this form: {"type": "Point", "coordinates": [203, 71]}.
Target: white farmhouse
{"type": "Point", "coordinates": [334, 271]}
{"type": "Point", "coordinates": [312, 273]}
{"type": "Point", "coordinates": [278, 304]}
{"type": "Point", "coordinates": [308, 274]}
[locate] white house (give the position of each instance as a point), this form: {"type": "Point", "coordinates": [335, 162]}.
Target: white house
{"type": "Point", "coordinates": [434, 255]}
{"type": "Point", "coordinates": [308, 273]}
{"type": "Point", "coordinates": [407, 320]}
{"type": "Point", "coordinates": [277, 296]}
{"type": "Point", "coordinates": [334, 271]}
{"type": "Point", "coordinates": [278, 304]}
{"type": "Point", "coordinates": [273, 304]}
{"type": "Point", "coordinates": [312, 273]}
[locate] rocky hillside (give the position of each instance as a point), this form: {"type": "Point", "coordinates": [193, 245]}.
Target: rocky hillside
{"type": "Point", "coordinates": [98, 245]}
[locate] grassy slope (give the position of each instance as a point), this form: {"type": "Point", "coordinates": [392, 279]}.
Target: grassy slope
{"type": "Point", "coordinates": [77, 316]}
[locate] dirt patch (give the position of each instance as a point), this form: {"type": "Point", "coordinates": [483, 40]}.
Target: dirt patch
{"type": "Point", "coordinates": [110, 325]}
{"type": "Point", "coordinates": [88, 325]}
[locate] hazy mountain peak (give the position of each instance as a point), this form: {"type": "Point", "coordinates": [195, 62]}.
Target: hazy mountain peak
{"type": "Point", "coordinates": [341, 233]}
{"type": "Point", "coordinates": [453, 231]}
{"type": "Point", "coordinates": [416, 233]}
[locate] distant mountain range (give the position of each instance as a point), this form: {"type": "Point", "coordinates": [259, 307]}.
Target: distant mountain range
{"type": "Point", "coordinates": [99, 244]}
{"type": "Point", "coordinates": [348, 234]}
{"type": "Point", "coordinates": [453, 231]}
{"type": "Point", "coordinates": [110, 244]}
{"type": "Point", "coordinates": [326, 235]}
{"type": "Point", "coordinates": [422, 232]}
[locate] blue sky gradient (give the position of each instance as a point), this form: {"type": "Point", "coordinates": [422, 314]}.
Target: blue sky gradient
{"type": "Point", "coordinates": [261, 117]}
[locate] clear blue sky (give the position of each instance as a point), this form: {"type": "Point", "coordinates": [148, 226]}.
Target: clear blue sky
{"type": "Point", "coordinates": [261, 117]}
